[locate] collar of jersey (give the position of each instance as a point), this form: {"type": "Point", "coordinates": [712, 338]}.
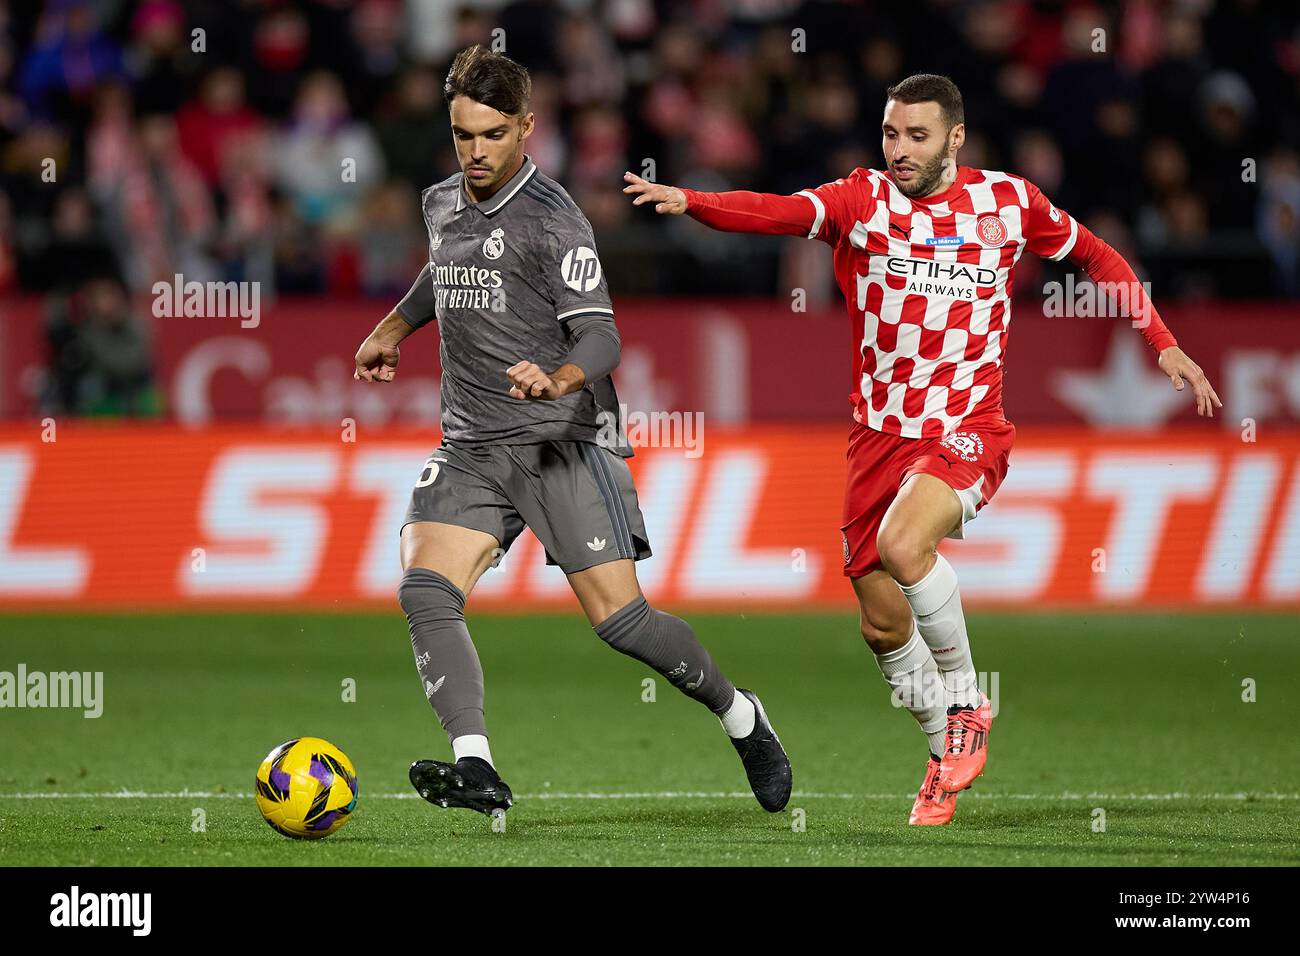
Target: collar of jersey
{"type": "Point", "coordinates": [503, 195]}
{"type": "Point", "coordinates": [964, 174]}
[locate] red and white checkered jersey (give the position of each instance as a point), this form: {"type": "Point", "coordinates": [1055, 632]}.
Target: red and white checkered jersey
{"type": "Point", "coordinates": [928, 286]}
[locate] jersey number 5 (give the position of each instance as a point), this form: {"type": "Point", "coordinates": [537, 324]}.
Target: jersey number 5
{"type": "Point", "coordinates": [429, 473]}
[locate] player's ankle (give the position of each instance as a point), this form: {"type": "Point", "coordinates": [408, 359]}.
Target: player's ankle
{"type": "Point", "coordinates": [472, 745]}
{"type": "Point", "coordinates": [739, 719]}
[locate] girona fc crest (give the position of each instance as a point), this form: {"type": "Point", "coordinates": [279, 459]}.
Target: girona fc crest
{"type": "Point", "coordinates": [967, 446]}
{"type": "Point", "coordinates": [992, 230]}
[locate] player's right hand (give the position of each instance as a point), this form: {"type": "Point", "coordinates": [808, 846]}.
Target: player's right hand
{"type": "Point", "coordinates": [668, 200]}
{"type": "Point", "coordinates": [376, 362]}
{"type": "Point", "coordinates": [1174, 362]}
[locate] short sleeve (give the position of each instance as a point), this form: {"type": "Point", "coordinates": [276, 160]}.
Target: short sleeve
{"type": "Point", "coordinates": [1049, 232]}
{"type": "Point", "coordinates": [837, 207]}
{"type": "Point", "coordinates": [572, 273]}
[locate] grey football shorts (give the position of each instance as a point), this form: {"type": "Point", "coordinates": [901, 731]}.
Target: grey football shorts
{"type": "Point", "coordinates": [577, 497]}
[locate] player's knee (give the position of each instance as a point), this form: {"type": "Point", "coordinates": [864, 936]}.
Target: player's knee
{"type": "Point", "coordinates": [904, 553]}
{"type": "Point", "coordinates": [883, 634]}
{"type": "Point", "coordinates": [628, 625]}
{"type": "Point", "coordinates": [425, 595]}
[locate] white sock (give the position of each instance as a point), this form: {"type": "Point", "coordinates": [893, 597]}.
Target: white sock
{"type": "Point", "coordinates": [937, 605]}
{"type": "Point", "coordinates": [913, 676]}
{"type": "Point", "coordinates": [938, 740]}
{"type": "Point", "coordinates": [472, 745]}
{"type": "Point", "coordinates": [738, 719]}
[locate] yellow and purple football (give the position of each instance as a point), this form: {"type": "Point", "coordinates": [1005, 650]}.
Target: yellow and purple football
{"type": "Point", "coordinates": [306, 788]}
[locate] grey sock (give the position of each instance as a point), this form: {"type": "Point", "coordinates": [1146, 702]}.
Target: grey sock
{"type": "Point", "coordinates": [668, 645]}
{"type": "Point", "coordinates": [444, 654]}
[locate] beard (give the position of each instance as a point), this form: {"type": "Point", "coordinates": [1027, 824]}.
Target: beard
{"type": "Point", "coordinates": [926, 177]}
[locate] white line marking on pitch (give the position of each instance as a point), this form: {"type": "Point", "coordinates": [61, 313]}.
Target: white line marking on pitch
{"type": "Point", "coordinates": [667, 795]}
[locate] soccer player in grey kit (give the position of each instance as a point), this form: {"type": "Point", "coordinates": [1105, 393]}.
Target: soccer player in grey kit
{"type": "Point", "coordinates": [528, 345]}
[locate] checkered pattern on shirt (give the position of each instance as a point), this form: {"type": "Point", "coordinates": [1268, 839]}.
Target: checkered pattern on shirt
{"type": "Point", "coordinates": [928, 358]}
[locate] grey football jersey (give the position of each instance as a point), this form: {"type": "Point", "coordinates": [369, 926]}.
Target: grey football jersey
{"type": "Point", "coordinates": [504, 276]}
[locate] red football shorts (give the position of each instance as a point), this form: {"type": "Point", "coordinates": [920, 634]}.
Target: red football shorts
{"type": "Point", "coordinates": [971, 459]}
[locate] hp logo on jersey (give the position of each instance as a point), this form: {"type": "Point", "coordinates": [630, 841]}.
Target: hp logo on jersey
{"type": "Point", "coordinates": [580, 269]}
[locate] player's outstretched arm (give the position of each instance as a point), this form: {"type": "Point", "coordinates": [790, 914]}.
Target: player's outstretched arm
{"type": "Point", "coordinates": [1115, 278]}
{"type": "Point", "coordinates": [736, 211]}
{"type": "Point", "coordinates": [1054, 234]}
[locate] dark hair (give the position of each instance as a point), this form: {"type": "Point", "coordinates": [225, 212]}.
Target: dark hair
{"type": "Point", "coordinates": [930, 88]}
{"type": "Point", "coordinates": [492, 79]}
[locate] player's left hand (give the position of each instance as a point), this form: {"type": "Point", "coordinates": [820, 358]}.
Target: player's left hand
{"type": "Point", "coordinates": [1180, 369]}
{"type": "Point", "coordinates": [528, 381]}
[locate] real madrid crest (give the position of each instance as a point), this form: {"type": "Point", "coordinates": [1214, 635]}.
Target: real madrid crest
{"type": "Point", "coordinates": [495, 244]}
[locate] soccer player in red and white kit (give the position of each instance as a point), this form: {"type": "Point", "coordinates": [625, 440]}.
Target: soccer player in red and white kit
{"type": "Point", "coordinates": [925, 254]}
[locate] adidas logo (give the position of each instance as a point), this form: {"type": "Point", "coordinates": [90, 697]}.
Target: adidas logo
{"type": "Point", "coordinates": [431, 689]}
{"type": "Point", "coordinates": [596, 544]}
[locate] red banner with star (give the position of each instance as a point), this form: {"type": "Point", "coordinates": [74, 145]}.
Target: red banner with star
{"type": "Point", "coordinates": [734, 361]}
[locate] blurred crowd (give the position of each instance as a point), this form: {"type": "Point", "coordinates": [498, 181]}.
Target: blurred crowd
{"type": "Point", "coordinates": [287, 142]}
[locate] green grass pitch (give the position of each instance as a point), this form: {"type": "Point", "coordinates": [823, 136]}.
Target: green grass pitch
{"type": "Point", "coordinates": [1140, 717]}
